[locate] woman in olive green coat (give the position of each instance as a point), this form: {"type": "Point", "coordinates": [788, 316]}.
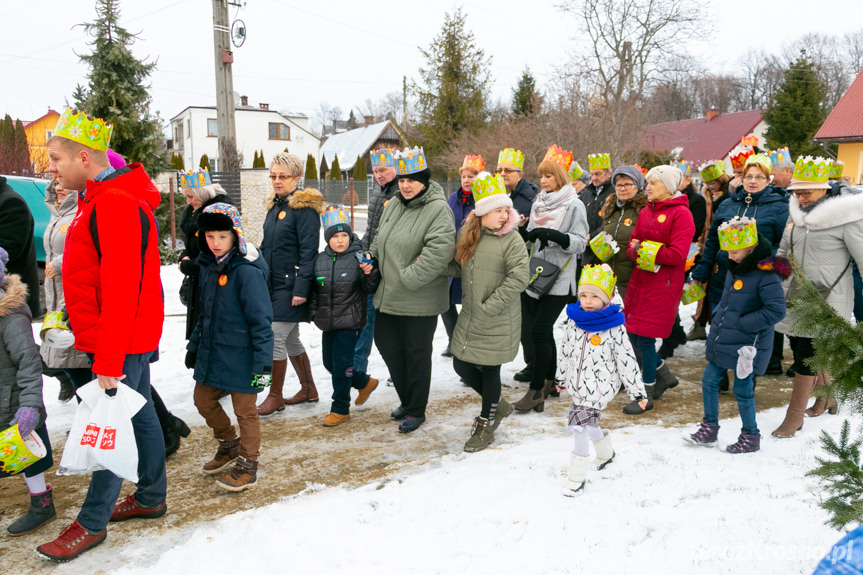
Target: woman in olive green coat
{"type": "Point", "coordinates": [493, 263]}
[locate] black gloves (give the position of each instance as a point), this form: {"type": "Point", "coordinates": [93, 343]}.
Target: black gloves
{"type": "Point", "coordinates": [545, 235]}
{"type": "Point", "coordinates": [191, 358]}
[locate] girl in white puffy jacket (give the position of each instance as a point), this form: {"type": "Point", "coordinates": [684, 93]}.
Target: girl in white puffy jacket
{"type": "Point", "coordinates": [596, 357]}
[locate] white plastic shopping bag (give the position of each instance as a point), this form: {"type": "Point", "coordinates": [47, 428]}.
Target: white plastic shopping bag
{"type": "Point", "coordinates": [102, 436]}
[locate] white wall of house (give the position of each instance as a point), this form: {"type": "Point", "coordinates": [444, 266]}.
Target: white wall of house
{"type": "Point", "coordinates": [194, 134]}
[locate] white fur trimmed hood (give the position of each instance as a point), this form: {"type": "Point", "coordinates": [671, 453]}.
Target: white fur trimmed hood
{"type": "Point", "coordinates": [845, 208]}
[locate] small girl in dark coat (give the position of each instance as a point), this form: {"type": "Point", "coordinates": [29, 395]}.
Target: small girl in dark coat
{"type": "Point", "coordinates": [339, 297]}
{"type": "Point", "coordinates": [21, 393]}
{"type": "Point", "coordinates": [741, 333]}
{"type": "Point", "coordinates": [231, 348]}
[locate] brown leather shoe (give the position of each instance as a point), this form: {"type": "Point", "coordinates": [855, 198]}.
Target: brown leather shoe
{"type": "Point", "coordinates": [333, 419]}
{"type": "Point", "coordinates": [308, 391]}
{"type": "Point", "coordinates": [243, 476]}
{"type": "Point", "coordinates": [365, 392]}
{"type": "Point", "coordinates": [227, 453]}
{"type": "Point", "coordinates": [274, 401]}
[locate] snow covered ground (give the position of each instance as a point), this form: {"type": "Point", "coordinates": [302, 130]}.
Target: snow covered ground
{"type": "Point", "coordinates": [662, 506]}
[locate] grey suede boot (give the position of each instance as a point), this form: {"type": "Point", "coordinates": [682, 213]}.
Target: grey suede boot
{"type": "Point", "coordinates": [634, 409]}
{"type": "Point", "coordinates": [40, 512]}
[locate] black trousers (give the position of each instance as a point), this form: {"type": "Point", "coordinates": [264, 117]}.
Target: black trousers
{"type": "Point", "coordinates": [483, 379]}
{"type": "Point", "coordinates": [778, 342]}
{"type": "Point", "coordinates": [450, 317]}
{"type": "Point", "coordinates": [405, 343]}
{"type": "Point", "coordinates": [537, 335]}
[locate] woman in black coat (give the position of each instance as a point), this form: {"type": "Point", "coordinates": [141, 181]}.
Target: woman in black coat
{"type": "Point", "coordinates": [197, 198]}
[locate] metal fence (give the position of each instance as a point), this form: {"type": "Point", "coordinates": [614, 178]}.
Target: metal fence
{"type": "Point", "coordinates": [230, 181]}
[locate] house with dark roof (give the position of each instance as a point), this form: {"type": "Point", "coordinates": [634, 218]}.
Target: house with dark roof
{"type": "Point", "coordinates": [844, 127]}
{"type": "Point", "coordinates": [703, 139]}
{"type": "Point", "coordinates": [357, 143]}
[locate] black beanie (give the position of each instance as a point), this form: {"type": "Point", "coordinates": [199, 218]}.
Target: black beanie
{"type": "Point", "coordinates": [332, 230]}
{"type": "Point", "coordinates": [423, 176]}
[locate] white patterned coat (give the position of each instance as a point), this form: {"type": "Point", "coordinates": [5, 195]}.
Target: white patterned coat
{"type": "Point", "coordinates": [594, 364]}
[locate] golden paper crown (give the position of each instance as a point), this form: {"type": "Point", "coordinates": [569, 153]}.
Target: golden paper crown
{"type": "Point", "coordinates": [599, 161]}
{"type": "Point", "coordinates": [759, 159]}
{"type": "Point", "coordinates": [559, 156]}
{"type": "Point", "coordinates": [575, 171]}
{"type": "Point", "coordinates": [86, 130]}
{"type": "Point", "coordinates": [488, 186]}
{"type": "Point", "coordinates": [838, 168]}
{"type": "Point", "coordinates": [749, 141]}
{"type": "Point", "coordinates": [511, 156]}
{"type": "Point", "coordinates": [739, 155]}
{"type": "Point", "coordinates": [812, 169]}
{"type": "Point", "coordinates": [712, 170]}
{"type": "Point", "coordinates": [601, 276]}
{"type": "Point", "coordinates": [475, 163]}
{"type": "Point", "coordinates": [738, 233]}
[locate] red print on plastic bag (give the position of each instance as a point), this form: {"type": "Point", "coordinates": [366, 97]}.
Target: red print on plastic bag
{"type": "Point", "coordinates": [108, 438]}
{"type": "Point", "coordinates": [90, 435]}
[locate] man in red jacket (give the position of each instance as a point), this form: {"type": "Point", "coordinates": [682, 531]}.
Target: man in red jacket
{"type": "Point", "coordinates": [116, 309]}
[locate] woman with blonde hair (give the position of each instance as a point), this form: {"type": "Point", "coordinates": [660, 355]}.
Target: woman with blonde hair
{"type": "Point", "coordinates": [290, 248]}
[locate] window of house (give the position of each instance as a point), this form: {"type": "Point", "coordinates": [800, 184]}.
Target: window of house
{"type": "Point", "coordinates": [279, 131]}
{"type": "Point", "coordinates": [212, 128]}
{"type": "Point", "coordinates": [49, 134]}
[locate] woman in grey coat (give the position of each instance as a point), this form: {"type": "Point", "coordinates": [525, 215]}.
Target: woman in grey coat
{"type": "Point", "coordinates": [557, 233]}
{"type": "Point", "coordinates": [824, 233]}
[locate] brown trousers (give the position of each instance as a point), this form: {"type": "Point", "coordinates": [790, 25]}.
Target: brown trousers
{"type": "Point", "coordinates": [207, 402]}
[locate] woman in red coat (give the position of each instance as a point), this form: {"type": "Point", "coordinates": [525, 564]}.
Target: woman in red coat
{"type": "Point", "coordinates": [653, 294]}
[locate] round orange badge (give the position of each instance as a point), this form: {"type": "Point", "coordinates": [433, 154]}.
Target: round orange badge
{"type": "Point", "coordinates": [282, 215]}
{"type": "Point", "coordinates": [790, 225]}
{"type": "Point", "coordinates": [661, 218]}
{"type": "Point", "coordinates": [595, 340]}
{"type": "Point", "coordinates": [223, 279]}
{"type": "Point", "coordinates": [63, 228]}
{"type": "Point", "coordinates": [627, 222]}
{"type": "Point", "coordinates": [738, 284]}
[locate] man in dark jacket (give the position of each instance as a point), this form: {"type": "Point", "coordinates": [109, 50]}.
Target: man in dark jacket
{"type": "Point", "coordinates": [386, 186]}
{"type": "Point", "coordinates": [16, 237]}
{"type": "Point", "coordinates": [594, 194]}
{"type": "Point", "coordinates": [116, 310]}
{"type": "Point", "coordinates": [510, 165]}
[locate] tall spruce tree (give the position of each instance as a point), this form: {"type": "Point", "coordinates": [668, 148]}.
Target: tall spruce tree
{"type": "Point", "coordinates": [797, 109]}
{"type": "Point", "coordinates": [524, 96]}
{"type": "Point", "coordinates": [118, 90]}
{"type": "Point", "coordinates": [455, 85]}
{"type": "Point", "coordinates": [360, 172]}
{"type": "Point", "coordinates": [311, 169]}
{"type": "Point", "coordinates": [21, 149]}
{"type": "Point", "coordinates": [7, 145]}
{"type": "Point", "coordinates": [205, 162]}
{"type": "Point", "coordinates": [335, 169]}
{"type": "Point", "coordinates": [352, 121]}
{"type": "Point", "coordinates": [255, 160]}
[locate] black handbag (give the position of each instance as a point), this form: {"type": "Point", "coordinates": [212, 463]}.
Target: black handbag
{"type": "Point", "coordinates": [184, 290]}
{"type": "Point", "coordinates": [543, 274]}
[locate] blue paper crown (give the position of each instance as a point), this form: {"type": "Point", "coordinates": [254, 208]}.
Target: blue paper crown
{"type": "Point", "coordinates": [335, 215]}
{"type": "Point", "coordinates": [780, 156]}
{"type": "Point", "coordinates": [684, 167]}
{"type": "Point", "coordinates": [195, 178]}
{"type": "Point", "coordinates": [410, 161]}
{"type": "Point", "coordinates": [383, 157]}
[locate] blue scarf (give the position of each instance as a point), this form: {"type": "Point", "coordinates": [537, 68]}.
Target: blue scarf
{"type": "Point", "coordinates": [600, 320]}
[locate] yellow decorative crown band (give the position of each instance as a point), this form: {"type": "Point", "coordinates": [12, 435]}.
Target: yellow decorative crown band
{"type": "Point", "coordinates": [812, 169]}
{"type": "Point", "coordinates": [738, 233]}
{"type": "Point", "coordinates": [575, 171]}
{"type": "Point", "coordinates": [599, 161]}
{"type": "Point", "coordinates": [86, 130]}
{"type": "Point", "coordinates": [558, 156]}
{"type": "Point", "coordinates": [410, 161]}
{"type": "Point", "coordinates": [838, 168]}
{"type": "Point", "coordinates": [759, 159]}
{"type": "Point", "coordinates": [382, 157]}
{"type": "Point", "coordinates": [511, 156]}
{"type": "Point", "coordinates": [488, 186]}
{"type": "Point", "coordinates": [601, 276]}
{"type": "Point", "coordinates": [712, 170]}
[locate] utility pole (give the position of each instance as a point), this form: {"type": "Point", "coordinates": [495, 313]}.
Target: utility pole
{"type": "Point", "coordinates": [228, 158]}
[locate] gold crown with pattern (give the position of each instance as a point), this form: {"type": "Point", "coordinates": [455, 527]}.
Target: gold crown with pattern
{"type": "Point", "coordinates": [738, 233]}
{"type": "Point", "coordinates": [712, 170]}
{"type": "Point", "coordinates": [575, 171]}
{"type": "Point", "coordinates": [511, 156]}
{"type": "Point", "coordinates": [475, 163]}
{"type": "Point", "coordinates": [811, 169]}
{"type": "Point", "coordinates": [599, 161]}
{"type": "Point", "coordinates": [488, 186]}
{"type": "Point", "coordinates": [559, 156]}
{"type": "Point", "coordinates": [838, 168]}
{"type": "Point", "coordinates": [759, 159]}
{"type": "Point", "coordinates": [601, 276]}
{"type": "Point", "coordinates": [92, 132]}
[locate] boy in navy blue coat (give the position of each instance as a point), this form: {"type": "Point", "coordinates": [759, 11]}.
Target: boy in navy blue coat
{"type": "Point", "coordinates": [231, 348]}
{"type": "Point", "coordinates": [741, 332]}
{"type": "Point", "coordinates": [339, 297]}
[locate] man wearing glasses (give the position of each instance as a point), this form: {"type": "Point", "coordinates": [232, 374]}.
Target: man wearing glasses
{"type": "Point", "coordinates": [510, 164]}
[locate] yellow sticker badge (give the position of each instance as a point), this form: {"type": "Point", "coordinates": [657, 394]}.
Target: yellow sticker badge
{"type": "Point", "coordinates": [64, 228]}
{"type": "Point", "coordinates": [595, 340]}
{"type": "Point", "coordinates": [223, 279]}
{"type": "Point", "coordinates": [282, 215]}
{"type": "Point", "coordinates": [738, 284]}
{"type": "Point", "coordinates": [661, 218]}
{"type": "Point", "coordinates": [627, 222]}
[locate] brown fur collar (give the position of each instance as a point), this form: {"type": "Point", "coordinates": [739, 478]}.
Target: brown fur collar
{"type": "Point", "coordinates": [15, 297]}
{"type": "Point", "coordinates": [308, 198]}
{"type": "Point", "coordinates": [638, 202]}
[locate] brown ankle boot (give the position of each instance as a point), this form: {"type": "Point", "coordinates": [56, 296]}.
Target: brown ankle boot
{"type": "Point", "coordinates": [275, 401]}
{"type": "Point", "coordinates": [243, 476]}
{"type": "Point", "coordinates": [533, 399]}
{"type": "Point", "coordinates": [308, 391]}
{"type": "Point", "coordinates": [227, 453]}
{"type": "Point", "coordinates": [821, 404]}
{"type": "Point", "coordinates": [799, 398]}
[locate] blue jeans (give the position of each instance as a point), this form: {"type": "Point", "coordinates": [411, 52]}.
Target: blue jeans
{"type": "Point", "coordinates": [649, 358]}
{"type": "Point", "coordinates": [152, 481]}
{"type": "Point", "coordinates": [744, 391]}
{"type": "Point", "coordinates": [365, 340]}
{"type": "Point", "coordinates": [338, 350]}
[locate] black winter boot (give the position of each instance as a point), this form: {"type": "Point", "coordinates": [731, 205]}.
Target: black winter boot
{"type": "Point", "coordinates": [41, 511]}
{"type": "Point", "coordinates": [634, 409]}
{"type": "Point", "coordinates": [173, 429]}
{"type": "Point", "coordinates": [524, 375]}
{"type": "Point", "coordinates": [665, 380]}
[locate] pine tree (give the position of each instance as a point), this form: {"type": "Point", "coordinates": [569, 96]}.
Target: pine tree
{"type": "Point", "coordinates": [335, 170]}
{"type": "Point", "coordinates": [7, 145]}
{"type": "Point", "coordinates": [360, 172]}
{"type": "Point", "coordinates": [262, 162]}
{"type": "Point", "coordinates": [311, 169]}
{"type": "Point", "coordinates": [797, 110]}
{"type": "Point", "coordinates": [352, 121]}
{"type": "Point", "coordinates": [255, 160]}
{"type": "Point", "coordinates": [176, 162]}
{"type": "Point", "coordinates": [205, 163]}
{"type": "Point", "coordinates": [456, 84]}
{"type": "Point", "coordinates": [524, 95]}
{"type": "Point", "coordinates": [21, 148]}
{"type": "Point", "coordinates": [118, 90]}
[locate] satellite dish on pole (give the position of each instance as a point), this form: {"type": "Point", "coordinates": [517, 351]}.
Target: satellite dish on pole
{"type": "Point", "coordinates": [238, 33]}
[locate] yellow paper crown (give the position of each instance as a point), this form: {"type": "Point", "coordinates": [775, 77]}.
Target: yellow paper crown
{"type": "Point", "coordinates": [86, 130]}
{"type": "Point", "coordinates": [601, 276]}
{"type": "Point", "coordinates": [558, 156]}
{"type": "Point", "coordinates": [475, 163]}
{"type": "Point", "coordinates": [488, 186]}
{"type": "Point", "coordinates": [760, 159]}
{"type": "Point", "coordinates": [812, 169]}
{"type": "Point", "coordinates": [838, 168]}
{"type": "Point", "coordinates": [599, 161]}
{"type": "Point", "coordinates": [575, 171]}
{"type": "Point", "coordinates": [511, 156]}
{"type": "Point", "coordinates": [738, 233]}
{"type": "Point", "coordinates": [712, 170]}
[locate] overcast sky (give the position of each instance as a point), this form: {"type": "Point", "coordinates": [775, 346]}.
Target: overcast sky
{"type": "Point", "coordinates": [298, 54]}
